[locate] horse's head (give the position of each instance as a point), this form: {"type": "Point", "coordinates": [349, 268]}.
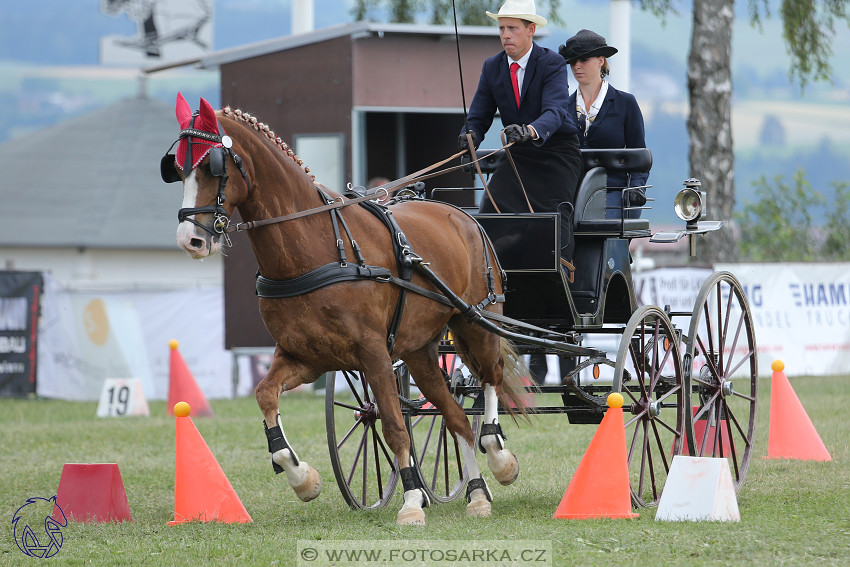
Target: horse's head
{"type": "Point", "coordinates": [201, 160]}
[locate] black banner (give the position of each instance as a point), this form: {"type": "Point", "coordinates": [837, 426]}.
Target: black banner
{"type": "Point", "coordinates": [20, 299]}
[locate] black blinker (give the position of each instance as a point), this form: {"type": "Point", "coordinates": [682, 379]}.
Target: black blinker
{"type": "Point", "coordinates": [217, 160]}
{"type": "Point", "coordinates": [168, 169]}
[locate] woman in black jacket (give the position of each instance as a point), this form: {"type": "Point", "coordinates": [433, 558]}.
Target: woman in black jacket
{"type": "Point", "coordinates": [607, 118]}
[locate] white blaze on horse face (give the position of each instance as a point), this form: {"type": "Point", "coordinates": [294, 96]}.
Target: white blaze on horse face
{"type": "Point", "coordinates": [190, 237]}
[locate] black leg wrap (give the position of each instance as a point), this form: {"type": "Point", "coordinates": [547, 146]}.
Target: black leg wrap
{"type": "Point", "coordinates": [491, 429]}
{"type": "Point", "coordinates": [274, 435]}
{"type": "Point", "coordinates": [411, 481]}
{"type": "Point", "coordinates": [475, 484]}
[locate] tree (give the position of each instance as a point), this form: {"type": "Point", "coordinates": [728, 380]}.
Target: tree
{"type": "Point", "coordinates": [808, 25]}
{"type": "Point", "coordinates": [779, 226]}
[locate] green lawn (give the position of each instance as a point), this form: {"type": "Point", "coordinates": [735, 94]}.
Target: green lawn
{"type": "Point", "coordinates": [792, 512]}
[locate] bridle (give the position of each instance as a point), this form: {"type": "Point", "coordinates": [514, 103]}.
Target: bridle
{"type": "Point", "coordinates": [222, 148]}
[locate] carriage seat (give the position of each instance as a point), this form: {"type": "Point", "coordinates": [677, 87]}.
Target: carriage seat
{"type": "Point", "coordinates": [589, 216]}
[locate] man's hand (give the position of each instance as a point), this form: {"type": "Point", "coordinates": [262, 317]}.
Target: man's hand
{"type": "Point", "coordinates": [518, 134]}
{"type": "Point", "coordinates": [463, 143]}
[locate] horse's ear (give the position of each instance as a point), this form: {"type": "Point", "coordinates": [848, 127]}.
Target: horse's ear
{"type": "Point", "coordinates": [183, 111]}
{"type": "Point", "coordinates": [207, 114]}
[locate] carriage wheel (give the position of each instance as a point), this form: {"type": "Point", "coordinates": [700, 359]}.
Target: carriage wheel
{"type": "Point", "coordinates": [649, 375]}
{"type": "Point", "coordinates": [437, 454]}
{"type": "Point", "coordinates": [365, 468]}
{"type": "Point", "coordinates": [721, 369]}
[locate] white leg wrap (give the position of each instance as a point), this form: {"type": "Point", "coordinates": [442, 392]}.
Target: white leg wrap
{"type": "Point", "coordinates": [295, 475]}
{"type": "Point", "coordinates": [479, 503]}
{"type": "Point", "coordinates": [502, 462]}
{"type": "Point", "coordinates": [411, 513]}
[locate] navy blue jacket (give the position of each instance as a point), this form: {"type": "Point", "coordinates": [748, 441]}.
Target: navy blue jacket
{"type": "Point", "coordinates": [543, 99]}
{"type": "Point", "coordinates": [619, 124]}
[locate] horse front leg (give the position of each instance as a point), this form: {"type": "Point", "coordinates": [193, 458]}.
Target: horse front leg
{"type": "Point", "coordinates": [285, 374]}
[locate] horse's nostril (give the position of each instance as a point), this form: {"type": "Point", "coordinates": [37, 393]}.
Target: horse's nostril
{"type": "Point", "coordinates": [197, 243]}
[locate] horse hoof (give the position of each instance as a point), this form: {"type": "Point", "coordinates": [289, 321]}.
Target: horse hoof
{"type": "Point", "coordinates": [311, 487]}
{"type": "Point", "coordinates": [478, 508]}
{"type": "Point", "coordinates": [508, 474]}
{"type": "Point", "coordinates": [410, 517]}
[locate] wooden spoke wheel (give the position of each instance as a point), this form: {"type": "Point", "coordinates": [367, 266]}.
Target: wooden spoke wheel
{"type": "Point", "coordinates": [648, 373]}
{"type": "Point", "coordinates": [365, 468]}
{"type": "Point", "coordinates": [721, 371]}
{"type": "Point", "coordinates": [436, 452]}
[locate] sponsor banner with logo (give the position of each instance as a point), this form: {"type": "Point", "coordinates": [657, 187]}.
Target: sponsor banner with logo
{"type": "Point", "coordinates": [801, 313]}
{"type": "Point", "coordinates": [89, 337]}
{"type": "Point", "coordinates": [20, 298]}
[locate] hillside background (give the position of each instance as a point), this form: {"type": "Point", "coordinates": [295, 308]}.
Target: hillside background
{"type": "Point", "coordinates": [49, 72]}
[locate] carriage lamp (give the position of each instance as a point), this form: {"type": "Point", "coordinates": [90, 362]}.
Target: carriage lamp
{"type": "Point", "coordinates": [690, 203]}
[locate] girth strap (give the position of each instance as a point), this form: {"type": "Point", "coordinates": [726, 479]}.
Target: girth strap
{"type": "Point", "coordinates": [318, 278]}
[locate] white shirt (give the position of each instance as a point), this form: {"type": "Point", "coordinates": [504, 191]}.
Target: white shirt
{"type": "Point", "coordinates": [597, 103]}
{"type": "Point", "coordinates": [520, 73]}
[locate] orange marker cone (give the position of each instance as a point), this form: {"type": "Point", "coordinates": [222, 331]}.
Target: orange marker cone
{"type": "Point", "coordinates": [600, 486]}
{"type": "Point", "coordinates": [182, 385]}
{"type": "Point", "coordinates": [791, 434]}
{"type": "Point", "coordinates": [202, 492]}
{"type": "Point", "coordinates": [93, 493]}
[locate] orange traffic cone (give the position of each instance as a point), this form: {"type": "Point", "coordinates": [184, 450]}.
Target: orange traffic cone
{"type": "Point", "coordinates": [791, 434]}
{"type": "Point", "coordinates": [600, 486]}
{"type": "Point", "coordinates": [93, 493]}
{"type": "Point", "coordinates": [202, 492]}
{"type": "Point", "coordinates": [182, 385]}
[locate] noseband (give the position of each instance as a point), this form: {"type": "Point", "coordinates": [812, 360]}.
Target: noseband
{"type": "Point", "coordinates": [218, 154]}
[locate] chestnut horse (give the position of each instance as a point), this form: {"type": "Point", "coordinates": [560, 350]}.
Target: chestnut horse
{"type": "Point", "coordinates": [345, 325]}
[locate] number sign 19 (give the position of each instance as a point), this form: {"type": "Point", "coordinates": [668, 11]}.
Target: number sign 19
{"type": "Point", "coordinates": [122, 397]}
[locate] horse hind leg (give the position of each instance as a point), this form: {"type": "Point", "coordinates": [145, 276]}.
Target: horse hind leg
{"type": "Point", "coordinates": [284, 374]}
{"type": "Point", "coordinates": [497, 366]}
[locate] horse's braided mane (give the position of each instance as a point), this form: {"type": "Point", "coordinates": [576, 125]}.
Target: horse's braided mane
{"type": "Point", "coordinates": [263, 128]}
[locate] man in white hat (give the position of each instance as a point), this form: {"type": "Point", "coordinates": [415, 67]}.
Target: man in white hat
{"type": "Point", "coordinates": [527, 84]}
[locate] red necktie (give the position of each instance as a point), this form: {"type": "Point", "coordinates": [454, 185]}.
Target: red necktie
{"type": "Point", "coordinates": [514, 82]}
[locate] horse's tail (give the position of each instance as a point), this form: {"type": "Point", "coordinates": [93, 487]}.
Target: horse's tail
{"type": "Point", "coordinates": [513, 395]}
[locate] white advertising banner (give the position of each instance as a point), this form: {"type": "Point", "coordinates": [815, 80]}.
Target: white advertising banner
{"type": "Point", "coordinates": [86, 338]}
{"type": "Point", "coordinates": [801, 313]}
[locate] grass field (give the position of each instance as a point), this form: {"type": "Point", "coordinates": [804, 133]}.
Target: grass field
{"type": "Point", "coordinates": [792, 512]}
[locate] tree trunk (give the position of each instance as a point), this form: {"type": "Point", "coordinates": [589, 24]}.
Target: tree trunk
{"type": "Point", "coordinates": [710, 121]}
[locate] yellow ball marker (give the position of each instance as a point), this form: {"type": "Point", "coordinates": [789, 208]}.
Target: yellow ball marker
{"type": "Point", "coordinates": [182, 409]}
{"type": "Point", "coordinates": [615, 400]}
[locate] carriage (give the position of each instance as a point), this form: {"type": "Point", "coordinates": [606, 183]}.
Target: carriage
{"type": "Point", "coordinates": [689, 379]}
{"type": "Point", "coordinates": [415, 407]}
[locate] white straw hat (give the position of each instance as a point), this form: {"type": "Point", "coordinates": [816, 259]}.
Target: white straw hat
{"type": "Point", "coordinates": [522, 9]}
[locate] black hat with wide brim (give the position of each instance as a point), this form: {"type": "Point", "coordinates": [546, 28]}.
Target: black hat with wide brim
{"type": "Point", "coordinates": [585, 44]}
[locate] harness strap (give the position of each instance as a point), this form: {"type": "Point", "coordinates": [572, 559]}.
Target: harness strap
{"type": "Point", "coordinates": [402, 252]}
{"type": "Point", "coordinates": [318, 278]}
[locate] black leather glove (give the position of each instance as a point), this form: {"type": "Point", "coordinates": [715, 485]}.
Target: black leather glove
{"type": "Point", "coordinates": [517, 134]}
{"type": "Point", "coordinates": [634, 198]}
{"type": "Point", "coordinates": [463, 144]}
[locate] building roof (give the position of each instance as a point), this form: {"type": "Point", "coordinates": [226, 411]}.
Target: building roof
{"type": "Point", "coordinates": [92, 181]}
{"type": "Point", "coordinates": [355, 30]}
